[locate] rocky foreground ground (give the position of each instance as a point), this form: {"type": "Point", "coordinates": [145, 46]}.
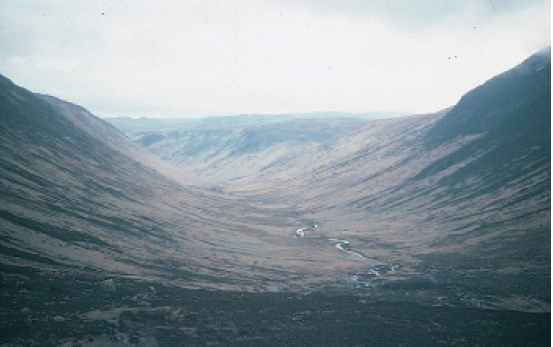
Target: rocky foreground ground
{"type": "Point", "coordinates": [86, 310]}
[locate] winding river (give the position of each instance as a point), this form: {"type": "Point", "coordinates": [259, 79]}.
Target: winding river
{"type": "Point", "coordinates": [345, 246]}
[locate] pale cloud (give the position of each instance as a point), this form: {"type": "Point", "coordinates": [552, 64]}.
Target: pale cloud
{"type": "Point", "coordinates": [224, 57]}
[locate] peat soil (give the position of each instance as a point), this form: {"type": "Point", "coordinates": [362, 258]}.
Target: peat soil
{"type": "Point", "coordinates": [40, 309]}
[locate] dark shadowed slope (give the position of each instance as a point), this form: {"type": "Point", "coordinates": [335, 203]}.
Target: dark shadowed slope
{"type": "Point", "coordinates": [511, 115]}
{"type": "Point", "coordinates": [71, 194]}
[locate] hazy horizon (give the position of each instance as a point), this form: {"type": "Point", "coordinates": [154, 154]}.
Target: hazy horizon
{"type": "Point", "coordinates": [197, 59]}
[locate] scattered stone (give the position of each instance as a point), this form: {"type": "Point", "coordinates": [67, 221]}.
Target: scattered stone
{"type": "Point", "coordinates": [109, 284]}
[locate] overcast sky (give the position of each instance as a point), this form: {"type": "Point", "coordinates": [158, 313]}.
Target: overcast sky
{"type": "Point", "coordinates": [197, 58]}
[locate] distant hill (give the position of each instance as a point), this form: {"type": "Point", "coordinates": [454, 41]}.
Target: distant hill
{"type": "Point", "coordinates": [222, 151]}
{"type": "Point", "coordinates": [130, 125]}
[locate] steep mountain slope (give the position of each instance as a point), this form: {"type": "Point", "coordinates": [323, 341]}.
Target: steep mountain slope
{"type": "Point", "coordinates": [76, 195]}
{"type": "Point", "coordinates": [70, 191]}
{"type": "Point", "coordinates": [468, 188]}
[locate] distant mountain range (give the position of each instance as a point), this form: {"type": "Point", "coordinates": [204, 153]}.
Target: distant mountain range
{"type": "Point", "coordinates": [220, 151]}
{"type": "Point", "coordinates": [136, 125]}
